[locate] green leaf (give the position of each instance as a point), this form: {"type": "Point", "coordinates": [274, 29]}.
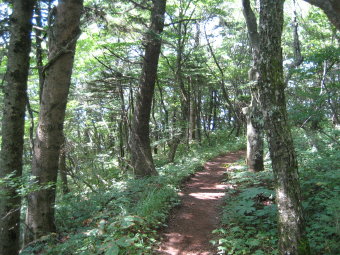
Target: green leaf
{"type": "Point", "coordinates": [124, 242]}
{"type": "Point", "coordinates": [113, 250]}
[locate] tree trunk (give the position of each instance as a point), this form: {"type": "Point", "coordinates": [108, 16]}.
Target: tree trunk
{"type": "Point", "coordinates": [254, 139]}
{"type": "Point", "coordinates": [141, 154]}
{"type": "Point", "coordinates": [291, 224]}
{"type": "Point", "coordinates": [198, 116]}
{"type": "Point", "coordinates": [49, 136]}
{"type": "Point", "coordinates": [38, 47]}
{"type": "Point", "coordinates": [253, 113]}
{"type": "Point", "coordinates": [173, 145]}
{"type": "Point", "coordinates": [62, 168]}
{"type": "Point", "coordinates": [13, 122]}
{"type": "Point", "coordinates": [192, 118]}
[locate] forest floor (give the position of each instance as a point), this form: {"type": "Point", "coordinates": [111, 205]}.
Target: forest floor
{"type": "Point", "coordinates": [191, 224]}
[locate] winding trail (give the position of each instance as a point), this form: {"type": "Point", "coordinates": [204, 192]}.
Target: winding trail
{"type": "Point", "coordinates": [190, 225]}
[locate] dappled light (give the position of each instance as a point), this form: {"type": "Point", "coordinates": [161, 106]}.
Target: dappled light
{"type": "Point", "coordinates": [190, 227]}
{"type": "Point", "coordinates": [170, 127]}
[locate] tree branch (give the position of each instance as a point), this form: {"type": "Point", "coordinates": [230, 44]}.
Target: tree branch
{"type": "Point", "coordinates": [252, 26]}
{"type": "Point", "coordinates": [331, 8]}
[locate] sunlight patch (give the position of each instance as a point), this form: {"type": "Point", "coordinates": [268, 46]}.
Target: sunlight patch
{"type": "Point", "coordinates": [237, 167]}
{"type": "Point", "coordinates": [207, 196]}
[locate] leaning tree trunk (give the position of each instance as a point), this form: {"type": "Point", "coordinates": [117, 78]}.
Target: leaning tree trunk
{"type": "Point", "coordinates": [252, 112]}
{"type": "Point", "coordinates": [49, 135]}
{"type": "Point", "coordinates": [141, 154]}
{"type": "Point", "coordinates": [291, 224]}
{"type": "Point", "coordinates": [13, 122]}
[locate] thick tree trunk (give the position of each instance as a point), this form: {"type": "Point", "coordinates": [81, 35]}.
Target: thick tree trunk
{"type": "Point", "coordinates": [13, 122]}
{"type": "Point", "coordinates": [331, 9]}
{"type": "Point", "coordinates": [141, 154]}
{"type": "Point", "coordinates": [49, 136]}
{"type": "Point", "coordinates": [253, 114]}
{"type": "Point", "coordinates": [292, 234]}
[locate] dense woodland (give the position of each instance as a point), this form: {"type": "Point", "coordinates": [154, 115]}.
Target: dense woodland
{"type": "Point", "coordinates": [107, 107]}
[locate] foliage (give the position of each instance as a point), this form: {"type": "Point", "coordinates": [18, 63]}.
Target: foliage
{"type": "Point", "coordinates": [109, 212]}
{"type": "Point", "coordinates": [249, 216]}
{"type": "Point", "coordinates": [248, 219]}
{"type": "Point", "coordinates": [124, 218]}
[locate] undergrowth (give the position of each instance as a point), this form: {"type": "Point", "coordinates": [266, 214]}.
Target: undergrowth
{"type": "Point", "coordinates": [249, 223]}
{"type": "Point", "coordinates": [124, 217]}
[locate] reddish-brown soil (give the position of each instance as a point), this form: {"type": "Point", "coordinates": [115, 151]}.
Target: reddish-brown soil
{"type": "Point", "coordinates": [190, 225]}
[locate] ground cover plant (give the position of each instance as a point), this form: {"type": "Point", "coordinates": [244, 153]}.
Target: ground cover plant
{"type": "Point", "coordinates": [108, 107]}
{"type": "Point", "coordinates": [125, 217]}
{"type": "Point", "coordinates": [249, 215]}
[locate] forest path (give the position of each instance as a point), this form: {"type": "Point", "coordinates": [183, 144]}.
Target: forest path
{"type": "Point", "coordinates": [190, 226]}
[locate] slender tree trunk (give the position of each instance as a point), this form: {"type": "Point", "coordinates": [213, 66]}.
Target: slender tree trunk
{"type": "Point", "coordinates": [184, 93]}
{"type": "Point", "coordinates": [165, 110]}
{"type": "Point", "coordinates": [291, 224]}
{"type": "Point", "coordinates": [62, 168]}
{"type": "Point", "coordinates": [193, 118]}
{"type": "Point", "coordinates": [214, 120]}
{"type": "Point", "coordinates": [49, 136]}
{"type": "Point", "coordinates": [231, 107]}
{"type": "Point", "coordinates": [123, 129]}
{"type": "Point", "coordinates": [141, 154]}
{"type": "Point", "coordinates": [38, 47]}
{"type": "Point", "coordinates": [198, 115]}
{"type": "Point", "coordinates": [13, 122]}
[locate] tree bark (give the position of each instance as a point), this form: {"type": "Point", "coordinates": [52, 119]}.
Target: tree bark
{"type": "Point", "coordinates": [13, 121]}
{"type": "Point", "coordinates": [192, 117]}
{"type": "Point", "coordinates": [254, 138]}
{"type": "Point", "coordinates": [253, 114]}
{"type": "Point", "coordinates": [141, 154]}
{"type": "Point", "coordinates": [62, 168]}
{"type": "Point", "coordinates": [49, 135]}
{"type": "Point", "coordinates": [38, 47]}
{"type": "Point", "coordinates": [291, 224]}
{"type": "Point", "coordinates": [331, 8]}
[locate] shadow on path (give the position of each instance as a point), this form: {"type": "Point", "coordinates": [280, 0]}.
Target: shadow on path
{"type": "Point", "coordinates": [190, 226]}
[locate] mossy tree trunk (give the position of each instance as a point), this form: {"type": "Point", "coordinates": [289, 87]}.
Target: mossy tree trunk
{"type": "Point", "coordinates": [13, 121]}
{"type": "Point", "coordinates": [271, 86]}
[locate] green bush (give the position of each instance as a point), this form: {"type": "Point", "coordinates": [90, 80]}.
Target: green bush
{"type": "Point", "coordinates": [124, 217]}
{"type": "Point", "coordinates": [249, 226]}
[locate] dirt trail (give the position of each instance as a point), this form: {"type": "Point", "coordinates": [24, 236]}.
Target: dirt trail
{"type": "Point", "coordinates": [190, 226]}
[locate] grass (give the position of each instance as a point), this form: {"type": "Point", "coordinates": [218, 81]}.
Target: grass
{"type": "Point", "coordinates": [249, 216]}
{"type": "Point", "coordinates": [124, 217]}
